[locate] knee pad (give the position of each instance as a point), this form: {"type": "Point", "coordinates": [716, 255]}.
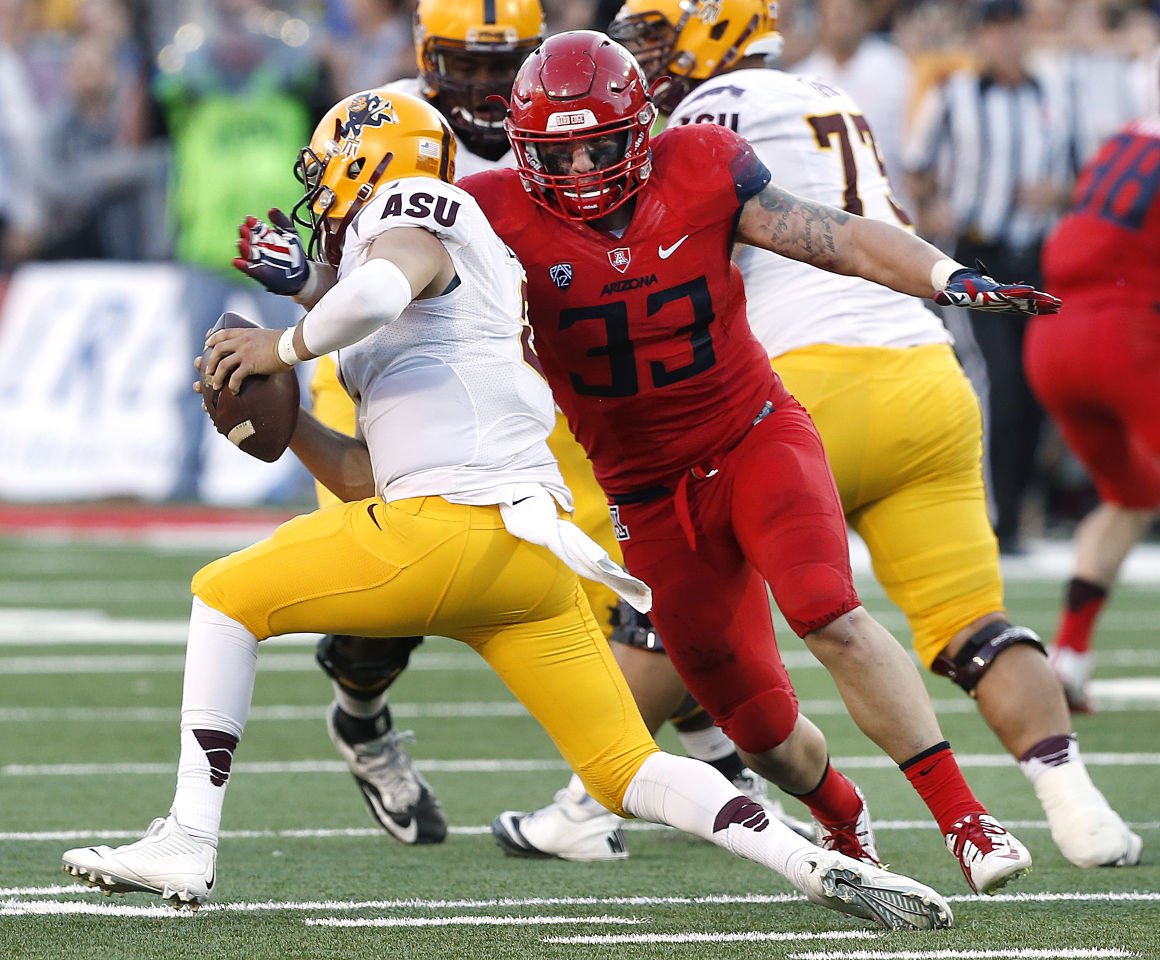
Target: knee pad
{"type": "Point", "coordinates": [966, 668]}
{"type": "Point", "coordinates": [365, 666]}
{"type": "Point", "coordinates": [762, 722]}
{"type": "Point", "coordinates": [635, 629]}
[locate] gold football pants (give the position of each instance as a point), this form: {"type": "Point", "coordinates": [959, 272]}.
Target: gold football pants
{"type": "Point", "coordinates": [425, 566]}
{"type": "Point", "coordinates": [903, 433]}
{"type": "Point", "coordinates": [334, 407]}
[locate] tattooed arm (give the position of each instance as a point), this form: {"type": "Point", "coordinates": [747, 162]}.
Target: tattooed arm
{"type": "Point", "coordinates": [837, 241]}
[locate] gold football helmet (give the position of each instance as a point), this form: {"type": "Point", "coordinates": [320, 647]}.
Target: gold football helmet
{"type": "Point", "coordinates": [469, 50]}
{"type": "Point", "coordinates": [692, 40]}
{"type": "Point", "coordinates": [366, 139]}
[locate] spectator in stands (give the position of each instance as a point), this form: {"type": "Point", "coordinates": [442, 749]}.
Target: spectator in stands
{"type": "Point", "coordinates": [236, 106]}
{"type": "Point", "coordinates": [988, 158]}
{"type": "Point", "coordinates": [854, 59]}
{"type": "Point", "coordinates": [104, 184]}
{"type": "Point", "coordinates": [375, 47]}
{"type": "Point", "coordinates": [21, 215]}
{"type": "Point", "coordinates": [933, 35]}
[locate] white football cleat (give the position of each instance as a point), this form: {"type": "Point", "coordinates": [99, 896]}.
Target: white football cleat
{"type": "Point", "coordinates": [1074, 671]}
{"type": "Point", "coordinates": [572, 827]}
{"type": "Point", "coordinates": [397, 796]}
{"type": "Point", "coordinates": [857, 889]}
{"type": "Point", "coordinates": [1085, 828]}
{"type": "Point", "coordinates": [854, 838]}
{"type": "Point", "coordinates": [989, 855]}
{"type": "Point", "coordinates": [166, 861]}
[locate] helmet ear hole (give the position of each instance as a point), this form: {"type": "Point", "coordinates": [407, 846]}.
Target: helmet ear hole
{"type": "Point", "coordinates": [356, 168]}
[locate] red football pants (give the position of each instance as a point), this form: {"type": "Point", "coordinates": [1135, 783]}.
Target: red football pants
{"type": "Point", "coordinates": [1093, 367]}
{"type": "Point", "coordinates": [769, 514]}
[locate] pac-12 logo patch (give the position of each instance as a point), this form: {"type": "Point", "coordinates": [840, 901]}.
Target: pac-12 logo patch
{"type": "Point", "coordinates": [620, 258]}
{"type": "Point", "coordinates": [561, 274]}
{"type": "Point", "coordinates": [619, 528]}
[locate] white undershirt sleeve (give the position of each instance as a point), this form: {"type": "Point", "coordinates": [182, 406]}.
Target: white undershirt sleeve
{"type": "Point", "coordinates": [367, 298]}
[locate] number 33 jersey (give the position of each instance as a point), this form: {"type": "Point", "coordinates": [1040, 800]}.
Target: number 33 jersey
{"type": "Point", "coordinates": [644, 337]}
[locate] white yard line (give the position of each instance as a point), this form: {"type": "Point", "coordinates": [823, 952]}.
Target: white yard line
{"type": "Point", "coordinates": [477, 830]}
{"type": "Point", "coordinates": [475, 766]}
{"type": "Point", "coordinates": [471, 921]}
{"type": "Point", "coordinates": [752, 936]}
{"type": "Point", "coordinates": [1023, 953]}
{"type": "Point", "coordinates": [13, 904]}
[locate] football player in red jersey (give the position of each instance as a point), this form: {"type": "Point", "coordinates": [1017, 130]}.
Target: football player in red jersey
{"type": "Point", "coordinates": [1094, 371]}
{"type": "Point", "coordinates": [716, 477]}
{"type": "Point", "coordinates": [898, 418]}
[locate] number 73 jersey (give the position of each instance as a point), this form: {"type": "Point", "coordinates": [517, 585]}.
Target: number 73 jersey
{"type": "Point", "coordinates": [643, 337]}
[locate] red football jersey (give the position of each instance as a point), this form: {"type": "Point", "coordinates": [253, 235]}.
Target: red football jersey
{"type": "Point", "coordinates": [1111, 238]}
{"type": "Point", "coordinates": [644, 337]}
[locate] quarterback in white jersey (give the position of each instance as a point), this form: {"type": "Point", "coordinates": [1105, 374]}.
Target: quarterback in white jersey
{"type": "Point", "coordinates": [445, 401]}
{"type": "Point", "coordinates": [899, 420]}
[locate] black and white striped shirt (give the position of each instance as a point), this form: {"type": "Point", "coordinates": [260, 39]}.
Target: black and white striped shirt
{"type": "Point", "coordinates": [984, 142]}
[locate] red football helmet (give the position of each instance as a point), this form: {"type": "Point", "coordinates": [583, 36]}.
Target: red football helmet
{"type": "Point", "coordinates": [581, 92]}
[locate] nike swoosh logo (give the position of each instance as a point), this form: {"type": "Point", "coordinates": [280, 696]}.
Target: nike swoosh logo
{"type": "Point", "coordinates": [666, 252]}
{"type": "Point", "coordinates": [406, 829]}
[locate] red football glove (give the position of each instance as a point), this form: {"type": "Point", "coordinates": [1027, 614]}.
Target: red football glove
{"type": "Point", "coordinates": [272, 254]}
{"type": "Point", "coordinates": [973, 290]}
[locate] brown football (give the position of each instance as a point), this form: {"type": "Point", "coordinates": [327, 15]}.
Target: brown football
{"type": "Point", "coordinates": [261, 418]}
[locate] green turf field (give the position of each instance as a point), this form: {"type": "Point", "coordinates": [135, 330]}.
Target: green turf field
{"type": "Point", "coordinates": [91, 646]}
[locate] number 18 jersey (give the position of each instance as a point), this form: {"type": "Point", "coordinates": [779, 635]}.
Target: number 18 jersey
{"type": "Point", "coordinates": [644, 337]}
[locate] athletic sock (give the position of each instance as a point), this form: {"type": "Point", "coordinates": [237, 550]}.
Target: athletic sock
{"type": "Point", "coordinates": [360, 706]}
{"type": "Point", "coordinates": [360, 728]}
{"type": "Point", "coordinates": [708, 744]}
{"type": "Point", "coordinates": [695, 798]}
{"type": "Point", "coordinates": [1085, 600]}
{"type": "Point", "coordinates": [834, 800]}
{"type": "Point", "coordinates": [221, 661]}
{"type": "Point", "coordinates": [1048, 753]}
{"type": "Point", "coordinates": [936, 776]}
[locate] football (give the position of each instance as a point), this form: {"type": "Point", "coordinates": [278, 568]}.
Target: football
{"type": "Point", "coordinates": [261, 418]}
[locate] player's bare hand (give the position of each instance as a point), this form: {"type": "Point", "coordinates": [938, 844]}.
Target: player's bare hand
{"type": "Point", "coordinates": [239, 352]}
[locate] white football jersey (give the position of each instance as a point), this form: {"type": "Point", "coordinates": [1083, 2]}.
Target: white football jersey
{"type": "Point", "coordinates": [816, 143]}
{"type": "Point", "coordinates": [446, 402]}
{"type": "Point", "coordinates": [466, 162]}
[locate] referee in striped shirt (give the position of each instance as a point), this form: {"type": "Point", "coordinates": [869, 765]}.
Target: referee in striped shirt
{"type": "Point", "coordinates": [987, 161]}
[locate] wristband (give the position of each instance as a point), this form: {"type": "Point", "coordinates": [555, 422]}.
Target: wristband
{"type": "Point", "coordinates": [940, 273]}
{"type": "Point", "coordinates": [286, 352]}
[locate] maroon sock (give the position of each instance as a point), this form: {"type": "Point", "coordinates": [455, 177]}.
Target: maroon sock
{"type": "Point", "coordinates": [935, 774]}
{"type": "Point", "coordinates": [834, 800]}
{"type": "Point", "coordinates": [1085, 600]}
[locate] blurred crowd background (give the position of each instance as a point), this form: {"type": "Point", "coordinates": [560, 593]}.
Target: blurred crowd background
{"type": "Point", "coordinates": [141, 130]}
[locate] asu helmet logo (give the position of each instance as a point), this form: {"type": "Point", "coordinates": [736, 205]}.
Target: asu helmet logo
{"type": "Point", "coordinates": [362, 110]}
